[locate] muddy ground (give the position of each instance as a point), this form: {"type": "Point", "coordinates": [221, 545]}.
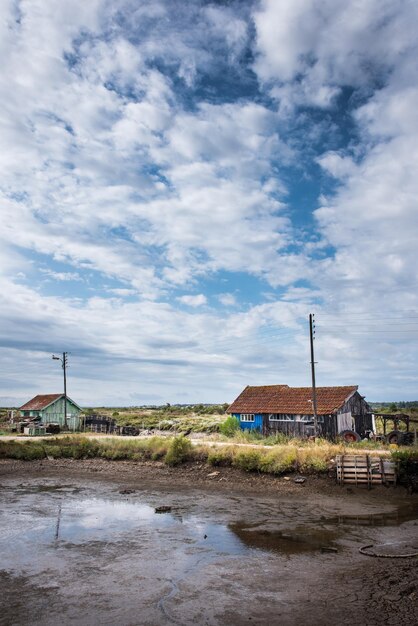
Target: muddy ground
{"type": "Point", "coordinates": [81, 543]}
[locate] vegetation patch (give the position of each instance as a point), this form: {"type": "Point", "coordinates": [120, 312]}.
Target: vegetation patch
{"type": "Point", "coordinates": [220, 457]}
{"type": "Point", "coordinates": [179, 451]}
{"type": "Point", "coordinates": [230, 426]}
{"type": "Point", "coordinates": [294, 456]}
{"type": "Point", "coordinates": [407, 464]}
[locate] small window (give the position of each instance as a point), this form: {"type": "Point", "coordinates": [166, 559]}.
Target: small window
{"type": "Point", "coordinates": [281, 417]}
{"type": "Point", "coordinates": [310, 418]}
{"type": "Point", "coordinates": [247, 417]}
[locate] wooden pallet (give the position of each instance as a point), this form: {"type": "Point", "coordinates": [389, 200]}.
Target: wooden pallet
{"type": "Point", "coordinates": [365, 470]}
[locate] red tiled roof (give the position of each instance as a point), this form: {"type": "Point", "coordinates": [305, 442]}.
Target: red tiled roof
{"type": "Point", "coordinates": [291, 400]}
{"type": "Point", "coordinates": [40, 402]}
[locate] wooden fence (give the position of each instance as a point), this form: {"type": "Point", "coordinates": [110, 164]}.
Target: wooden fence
{"type": "Point", "coordinates": [365, 470]}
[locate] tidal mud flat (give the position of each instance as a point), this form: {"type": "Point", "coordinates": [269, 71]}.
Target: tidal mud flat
{"type": "Point", "coordinates": [81, 542]}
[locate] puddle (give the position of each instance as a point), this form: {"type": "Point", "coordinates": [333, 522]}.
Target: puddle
{"type": "Point", "coordinates": [402, 514]}
{"type": "Point", "coordinates": [286, 542]}
{"type": "Point", "coordinates": [36, 525]}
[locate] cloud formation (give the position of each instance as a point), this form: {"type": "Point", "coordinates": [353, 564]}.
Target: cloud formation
{"type": "Point", "coordinates": [182, 183]}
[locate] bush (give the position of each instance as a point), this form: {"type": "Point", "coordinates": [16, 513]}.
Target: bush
{"type": "Point", "coordinates": [407, 462]}
{"type": "Point", "coordinates": [179, 450]}
{"type": "Point", "coordinates": [156, 448]}
{"type": "Point", "coordinates": [220, 457]}
{"type": "Point", "coordinates": [270, 464]}
{"type": "Point", "coordinates": [230, 426]}
{"type": "Point", "coordinates": [28, 451]}
{"type": "Point", "coordinates": [54, 451]}
{"type": "Point", "coordinates": [247, 460]}
{"type": "Point", "coordinates": [85, 449]}
{"type": "Point", "coordinates": [279, 461]}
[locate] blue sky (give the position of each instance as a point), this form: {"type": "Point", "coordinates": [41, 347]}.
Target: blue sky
{"type": "Point", "coordinates": [181, 184]}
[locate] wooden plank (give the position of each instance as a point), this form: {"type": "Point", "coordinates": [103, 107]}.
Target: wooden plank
{"type": "Point", "coordinates": [357, 459]}
{"type": "Point", "coordinates": [362, 482]}
{"type": "Point", "coordinates": [369, 476]}
{"type": "Point", "coordinates": [373, 470]}
{"type": "Point", "coordinates": [365, 470]}
{"type": "Point", "coordinates": [366, 477]}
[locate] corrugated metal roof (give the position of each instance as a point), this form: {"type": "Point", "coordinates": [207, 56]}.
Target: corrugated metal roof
{"type": "Point", "coordinates": [290, 400]}
{"type": "Point", "coordinates": [41, 402]}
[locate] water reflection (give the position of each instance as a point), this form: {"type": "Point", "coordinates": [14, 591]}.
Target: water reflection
{"type": "Point", "coordinates": [41, 517]}
{"type": "Point", "coordinates": [298, 541]}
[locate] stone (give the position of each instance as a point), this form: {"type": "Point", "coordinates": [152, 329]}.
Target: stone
{"type": "Point", "coordinates": [162, 509]}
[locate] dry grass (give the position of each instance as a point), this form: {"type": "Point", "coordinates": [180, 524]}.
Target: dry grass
{"type": "Point", "coordinates": [293, 456]}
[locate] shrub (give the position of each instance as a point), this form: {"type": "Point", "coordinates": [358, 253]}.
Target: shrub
{"type": "Point", "coordinates": [407, 462]}
{"type": "Point", "coordinates": [179, 450]}
{"type": "Point", "coordinates": [54, 451]}
{"type": "Point", "coordinates": [28, 451]}
{"type": "Point", "coordinates": [248, 460]}
{"type": "Point", "coordinates": [286, 458]}
{"type": "Point", "coordinates": [155, 448]}
{"type": "Point", "coordinates": [270, 464]}
{"type": "Point", "coordinates": [85, 449]}
{"type": "Point", "coordinates": [35, 452]}
{"type": "Point", "coordinates": [230, 426]}
{"type": "Point", "coordinates": [220, 456]}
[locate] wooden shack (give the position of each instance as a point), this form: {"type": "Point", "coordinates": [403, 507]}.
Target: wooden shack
{"type": "Point", "coordinates": [279, 408]}
{"type": "Point", "coordinates": [50, 409]}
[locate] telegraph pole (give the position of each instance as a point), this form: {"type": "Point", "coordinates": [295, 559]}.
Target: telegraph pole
{"type": "Point", "coordinates": [312, 337]}
{"type": "Point", "coordinates": [64, 363]}
{"type": "Point", "coordinates": [64, 367]}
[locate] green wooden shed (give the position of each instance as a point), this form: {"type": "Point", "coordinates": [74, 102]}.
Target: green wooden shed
{"type": "Point", "coordinates": [49, 408]}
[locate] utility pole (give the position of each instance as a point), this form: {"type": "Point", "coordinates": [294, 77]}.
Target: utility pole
{"type": "Point", "coordinates": [312, 337]}
{"type": "Point", "coordinates": [64, 363]}
{"type": "Point", "coordinates": [64, 367]}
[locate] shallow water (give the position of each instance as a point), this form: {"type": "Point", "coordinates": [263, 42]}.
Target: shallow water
{"type": "Point", "coordinates": [89, 553]}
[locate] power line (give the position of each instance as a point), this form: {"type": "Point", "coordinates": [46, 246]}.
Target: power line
{"type": "Point", "coordinates": [232, 340]}
{"type": "Point", "coordinates": [366, 324]}
{"type": "Point", "coordinates": [374, 318]}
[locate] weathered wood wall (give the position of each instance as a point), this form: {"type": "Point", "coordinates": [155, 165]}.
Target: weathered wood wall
{"type": "Point", "coordinates": [291, 429]}
{"type": "Point", "coordinates": [361, 412]}
{"type": "Point", "coordinates": [328, 427]}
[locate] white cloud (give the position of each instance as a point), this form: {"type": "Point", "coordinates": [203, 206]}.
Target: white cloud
{"type": "Point", "coordinates": [227, 299]}
{"type": "Point", "coordinates": [62, 276]}
{"type": "Point", "coordinates": [315, 47]}
{"type": "Point", "coordinates": [194, 301]}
